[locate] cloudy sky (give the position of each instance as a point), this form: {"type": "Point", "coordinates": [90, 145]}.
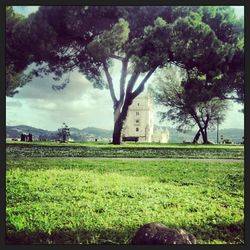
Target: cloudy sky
{"type": "Point", "coordinates": [79, 104]}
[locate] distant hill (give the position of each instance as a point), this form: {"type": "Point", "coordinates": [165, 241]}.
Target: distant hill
{"type": "Point", "coordinates": [98, 132]}
{"type": "Point", "coordinates": [233, 134]}
{"type": "Point", "coordinates": [16, 131]}
{"type": "Point", "coordinates": [91, 133]}
{"type": "Point", "coordinates": [85, 134]}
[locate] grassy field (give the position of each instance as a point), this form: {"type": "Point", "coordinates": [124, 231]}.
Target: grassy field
{"type": "Point", "coordinates": [126, 144]}
{"type": "Point", "coordinates": [136, 150]}
{"type": "Point", "coordinates": [105, 201]}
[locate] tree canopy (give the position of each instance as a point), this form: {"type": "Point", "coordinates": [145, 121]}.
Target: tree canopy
{"type": "Point", "coordinates": [206, 41]}
{"type": "Point", "coordinates": [185, 108]}
{"type": "Point", "coordinates": [15, 60]}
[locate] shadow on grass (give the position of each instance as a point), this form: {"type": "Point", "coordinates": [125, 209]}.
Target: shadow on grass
{"type": "Point", "coordinates": [80, 236]}
{"type": "Point", "coordinates": [231, 234]}
{"type": "Point", "coordinates": [228, 233]}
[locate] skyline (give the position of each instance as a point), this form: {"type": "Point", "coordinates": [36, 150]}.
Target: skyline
{"type": "Point", "coordinates": [79, 104]}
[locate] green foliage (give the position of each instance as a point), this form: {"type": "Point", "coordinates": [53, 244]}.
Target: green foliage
{"type": "Point", "coordinates": [152, 49]}
{"type": "Point", "coordinates": [106, 44]}
{"type": "Point", "coordinates": [15, 60]}
{"type": "Point", "coordinates": [201, 37]}
{"type": "Point", "coordinates": [50, 149]}
{"type": "Point", "coordinates": [159, 22]}
{"type": "Point", "coordinates": [64, 133]}
{"type": "Point", "coordinates": [223, 20]}
{"type": "Point", "coordinates": [188, 99]}
{"type": "Point", "coordinates": [109, 199]}
{"type": "Point", "coordinates": [129, 145]}
{"type": "Point", "coordinates": [200, 48]}
{"type": "Point", "coordinates": [15, 80]}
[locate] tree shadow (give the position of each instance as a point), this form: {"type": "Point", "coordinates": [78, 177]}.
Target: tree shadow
{"type": "Point", "coordinates": [232, 233]}
{"type": "Point", "coordinates": [229, 233]}
{"type": "Point", "coordinates": [81, 236]}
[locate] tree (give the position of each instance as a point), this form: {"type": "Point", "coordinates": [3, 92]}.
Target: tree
{"type": "Point", "coordinates": [212, 44]}
{"type": "Point", "coordinates": [64, 133]}
{"type": "Point", "coordinates": [144, 38]}
{"type": "Point", "coordinates": [16, 60]}
{"type": "Point", "coordinates": [184, 107]}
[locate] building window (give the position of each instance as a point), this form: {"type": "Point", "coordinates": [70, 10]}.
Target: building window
{"type": "Point", "coordinates": [137, 113]}
{"type": "Point", "coordinates": [137, 121]}
{"type": "Point", "coordinates": [137, 129]}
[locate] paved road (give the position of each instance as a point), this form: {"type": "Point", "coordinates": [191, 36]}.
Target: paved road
{"type": "Point", "coordinates": [167, 159]}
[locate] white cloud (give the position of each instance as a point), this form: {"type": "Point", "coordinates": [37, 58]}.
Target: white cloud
{"type": "Point", "coordinates": [234, 117]}
{"type": "Point", "coordinates": [42, 88]}
{"type": "Point", "coordinates": [13, 103]}
{"type": "Point", "coordinates": [79, 104]}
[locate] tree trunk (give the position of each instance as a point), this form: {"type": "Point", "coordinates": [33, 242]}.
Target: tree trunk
{"type": "Point", "coordinates": [202, 129]}
{"type": "Point", "coordinates": [119, 118]}
{"type": "Point", "coordinates": [117, 131]}
{"type": "Point", "coordinates": [204, 135]}
{"type": "Point", "coordinates": [197, 136]}
{"type": "Point", "coordinates": [205, 141]}
{"type": "Point", "coordinates": [206, 138]}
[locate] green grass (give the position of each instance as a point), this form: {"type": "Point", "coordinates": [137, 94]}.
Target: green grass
{"type": "Point", "coordinates": [127, 144]}
{"type": "Point", "coordinates": [54, 149]}
{"type": "Point", "coordinates": [105, 201]}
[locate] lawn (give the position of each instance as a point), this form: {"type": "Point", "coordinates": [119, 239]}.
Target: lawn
{"type": "Point", "coordinates": [135, 150]}
{"type": "Point", "coordinates": [127, 144]}
{"type": "Point", "coordinates": [105, 201]}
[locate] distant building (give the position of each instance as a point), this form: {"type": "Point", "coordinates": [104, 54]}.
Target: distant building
{"type": "Point", "coordinates": [140, 122]}
{"type": "Point", "coordinates": [12, 139]}
{"type": "Point", "coordinates": [90, 137]}
{"type": "Point", "coordinates": [25, 137]}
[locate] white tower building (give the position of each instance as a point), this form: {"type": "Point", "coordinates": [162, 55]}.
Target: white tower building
{"type": "Point", "coordinates": [140, 123]}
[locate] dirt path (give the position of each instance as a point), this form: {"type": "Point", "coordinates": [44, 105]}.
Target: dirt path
{"type": "Point", "coordinates": [137, 159]}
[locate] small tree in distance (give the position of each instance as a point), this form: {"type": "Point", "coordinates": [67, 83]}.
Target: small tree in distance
{"type": "Point", "coordinates": [63, 133]}
{"type": "Point", "coordinates": [184, 106]}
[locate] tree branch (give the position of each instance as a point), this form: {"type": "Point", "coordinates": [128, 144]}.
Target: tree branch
{"type": "Point", "coordinates": [117, 110]}
{"type": "Point", "coordinates": [141, 86]}
{"type": "Point", "coordinates": [132, 81]}
{"type": "Point", "coordinates": [232, 98]}
{"type": "Point", "coordinates": [180, 65]}
{"type": "Point", "coordinates": [110, 83]}
{"type": "Point", "coordinates": [123, 78]}
{"type": "Point", "coordinates": [120, 58]}
{"type": "Point", "coordinates": [188, 74]}
{"type": "Point", "coordinates": [201, 114]}
{"type": "Point", "coordinates": [204, 122]}
{"type": "Point", "coordinates": [207, 120]}
{"type": "Point", "coordinates": [193, 114]}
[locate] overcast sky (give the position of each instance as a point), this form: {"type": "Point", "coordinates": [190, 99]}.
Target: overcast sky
{"type": "Point", "coordinates": [79, 104]}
